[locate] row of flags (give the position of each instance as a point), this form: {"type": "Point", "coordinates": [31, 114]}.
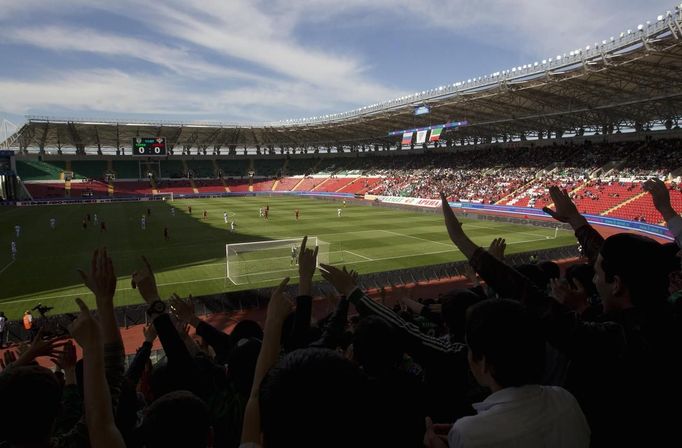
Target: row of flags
{"type": "Point", "coordinates": [421, 136]}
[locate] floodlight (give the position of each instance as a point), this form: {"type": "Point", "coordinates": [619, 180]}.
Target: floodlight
{"type": "Point", "coordinates": [640, 27]}
{"type": "Point", "coordinates": [544, 61]}
{"type": "Point", "coordinates": [603, 42]}
{"type": "Point", "coordinates": [629, 31]}
{"type": "Point", "coordinates": [659, 18]}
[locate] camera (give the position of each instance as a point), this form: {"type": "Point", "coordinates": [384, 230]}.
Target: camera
{"type": "Point", "coordinates": [42, 309]}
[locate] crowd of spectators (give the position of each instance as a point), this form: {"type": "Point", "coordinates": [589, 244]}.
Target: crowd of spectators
{"type": "Point", "coordinates": [524, 357]}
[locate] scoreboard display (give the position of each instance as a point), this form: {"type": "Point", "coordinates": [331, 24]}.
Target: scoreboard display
{"type": "Point", "coordinates": [149, 146]}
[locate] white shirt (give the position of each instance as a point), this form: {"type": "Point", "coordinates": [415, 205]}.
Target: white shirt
{"type": "Point", "coordinates": [14, 246]}
{"type": "Point", "coordinates": [525, 417]}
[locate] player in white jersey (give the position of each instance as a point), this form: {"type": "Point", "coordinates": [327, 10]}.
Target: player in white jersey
{"type": "Point", "coordinates": [143, 222]}
{"type": "Point", "coordinates": [17, 229]}
{"type": "Point", "coordinates": [225, 217]}
{"type": "Point", "coordinates": [338, 212]}
{"type": "Point", "coordinates": [260, 212]}
{"type": "Point", "coordinates": [53, 223]}
{"type": "Point", "coordinates": [94, 218]}
{"type": "Point", "coordinates": [14, 251]}
{"type": "Point", "coordinates": [232, 226]}
{"type": "Point", "coordinates": [172, 211]}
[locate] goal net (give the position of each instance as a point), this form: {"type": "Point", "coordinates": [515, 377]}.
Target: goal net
{"type": "Point", "coordinates": [164, 196]}
{"type": "Point", "coordinates": [267, 260]}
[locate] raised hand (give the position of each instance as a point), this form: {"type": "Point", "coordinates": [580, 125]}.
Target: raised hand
{"type": "Point", "coordinates": [279, 306]}
{"type": "Point", "coordinates": [661, 197]}
{"type": "Point", "coordinates": [566, 211]}
{"type": "Point", "coordinates": [145, 282]}
{"type": "Point", "coordinates": [101, 279]}
{"type": "Point", "coordinates": [497, 248]}
{"type": "Point", "coordinates": [85, 329]}
{"type": "Point", "coordinates": [183, 310]}
{"type": "Point", "coordinates": [343, 280]}
{"type": "Point", "coordinates": [66, 358]}
{"type": "Point", "coordinates": [433, 437]}
{"type": "Point", "coordinates": [149, 333]}
{"type": "Point", "coordinates": [451, 222]}
{"type": "Point", "coordinates": [39, 347]}
{"type": "Point", "coordinates": [575, 299]}
{"type": "Point", "coordinates": [307, 262]}
{"type": "Point", "coordinates": [471, 274]}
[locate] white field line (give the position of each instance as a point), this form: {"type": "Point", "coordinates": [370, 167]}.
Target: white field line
{"type": "Point", "coordinates": [358, 255]}
{"type": "Point", "coordinates": [416, 238]}
{"type": "Point", "coordinates": [6, 266]}
{"type": "Point", "coordinates": [452, 249]}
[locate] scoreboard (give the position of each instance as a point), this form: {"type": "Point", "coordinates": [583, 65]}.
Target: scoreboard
{"type": "Point", "coordinates": [149, 146]}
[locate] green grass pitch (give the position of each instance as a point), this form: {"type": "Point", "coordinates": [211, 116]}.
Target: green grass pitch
{"type": "Point", "coordinates": [368, 239]}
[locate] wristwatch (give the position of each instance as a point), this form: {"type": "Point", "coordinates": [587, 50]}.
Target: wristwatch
{"type": "Point", "coordinates": [156, 307]}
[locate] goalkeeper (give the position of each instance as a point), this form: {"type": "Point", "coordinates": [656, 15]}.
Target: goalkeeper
{"type": "Point", "coordinates": [294, 255]}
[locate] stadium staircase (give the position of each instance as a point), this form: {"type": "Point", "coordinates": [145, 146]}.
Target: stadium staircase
{"type": "Point", "coordinates": [155, 188]}
{"type": "Point", "coordinates": [319, 186]}
{"type": "Point", "coordinates": [516, 194]}
{"type": "Point", "coordinates": [624, 203]}
{"type": "Point", "coordinates": [298, 183]}
{"type": "Point", "coordinates": [67, 188]}
{"type": "Point", "coordinates": [274, 185]}
{"type": "Point", "coordinates": [348, 185]}
{"type": "Point", "coordinates": [571, 193]}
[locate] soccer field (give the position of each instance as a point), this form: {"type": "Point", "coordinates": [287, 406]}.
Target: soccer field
{"type": "Point", "coordinates": [368, 239]}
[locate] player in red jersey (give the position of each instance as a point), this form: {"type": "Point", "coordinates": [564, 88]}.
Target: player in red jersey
{"type": "Point", "coordinates": [297, 213]}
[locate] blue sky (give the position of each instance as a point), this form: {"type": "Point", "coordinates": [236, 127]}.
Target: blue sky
{"type": "Point", "coordinates": [250, 61]}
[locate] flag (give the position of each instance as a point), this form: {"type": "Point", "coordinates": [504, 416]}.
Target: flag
{"type": "Point", "coordinates": [421, 137]}
{"type": "Point", "coordinates": [407, 138]}
{"type": "Point", "coordinates": [435, 134]}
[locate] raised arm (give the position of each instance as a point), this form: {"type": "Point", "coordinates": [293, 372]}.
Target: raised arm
{"type": "Point", "coordinates": [425, 348]}
{"type": "Point", "coordinates": [566, 211]}
{"type": "Point", "coordinates": [98, 409]}
{"type": "Point", "coordinates": [307, 261]}
{"type": "Point", "coordinates": [661, 197]}
{"type": "Point", "coordinates": [220, 341]}
{"type": "Point", "coordinates": [278, 309]}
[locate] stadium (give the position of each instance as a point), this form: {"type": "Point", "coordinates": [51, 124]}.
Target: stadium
{"type": "Point", "coordinates": [558, 157]}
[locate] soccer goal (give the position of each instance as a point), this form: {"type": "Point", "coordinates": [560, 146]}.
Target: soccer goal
{"type": "Point", "coordinates": [267, 260]}
{"type": "Point", "coordinates": [164, 196]}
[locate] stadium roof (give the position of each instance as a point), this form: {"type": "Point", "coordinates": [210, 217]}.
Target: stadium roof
{"type": "Point", "coordinates": [628, 82]}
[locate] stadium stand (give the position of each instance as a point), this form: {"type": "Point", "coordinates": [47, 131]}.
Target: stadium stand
{"type": "Point", "coordinates": [90, 169]}
{"type": "Point", "coordinates": [31, 170]}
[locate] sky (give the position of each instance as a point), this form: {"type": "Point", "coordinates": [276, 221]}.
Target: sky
{"type": "Point", "coordinates": [257, 61]}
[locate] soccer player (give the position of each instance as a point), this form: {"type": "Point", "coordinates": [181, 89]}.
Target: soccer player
{"type": "Point", "coordinates": [294, 254]}
{"type": "Point", "coordinates": [260, 212]}
{"type": "Point", "coordinates": [225, 217]}
{"type": "Point", "coordinates": [87, 217]}
{"type": "Point", "coordinates": [84, 224]}
{"type": "Point", "coordinates": [17, 229]}
{"type": "Point", "coordinates": [14, 251]}
{"type": "Point", "coordinates": [165, 233]}
{"type": "Point", "coordinates": [267, 212]}
{"type": "Point", "coordinates": [53, 223]}
{"type": "Point", "coordinates": [143, 222]}
{"type": "Point", "coordinates": [103, 227]}
{"type": "Point", "coordinates": [94, 218]}
{"type": "Point", "coordinates": [338, 212]}
{"type": "Point", "coordinates": [232, 226]}
{"type": "Point", "coordinates": [149, 211]}
{"type": "Point", "coordinates": [189, 207]}
{"type": "Point", "coordinates": [205, 214]}
{"type": "Point", "coordinates": [344, 203]}
{"type": "Point", "coordinates": [172, 211]}
{"type": "Point", "coordinates": [296, 213]}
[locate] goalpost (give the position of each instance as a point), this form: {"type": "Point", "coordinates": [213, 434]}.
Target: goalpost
{"type": "Point", "coordinates": [267, 260]}
{"type": "Point", "coordinates": [164, 196]}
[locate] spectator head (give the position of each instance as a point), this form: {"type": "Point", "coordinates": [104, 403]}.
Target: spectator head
{"type": "Point", "coordinates": [454, 306]}
{"type": "Point", "coordinates": [314, 397]}
{"type": "Point", "coordinates": [246, 329]}
{"type": "Point", "coordinates": [178, 418]}
{"type": "Point", "coordinates": [376, 346]}
{"type": "Point", "coordinates": [31, 397]}
{"type": "Point", "coordinates": [550, 269]}
{"type": "Point", "coordinates": [582, 274]}
{"type": "Point", "coordinates": [241, 364]}
{"type": "Point", "coordinates": [506, 346]}
{"type": "Point", "coordinates": [533, 273]}
{"type": "Point", "coordinates": [630, 271]}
